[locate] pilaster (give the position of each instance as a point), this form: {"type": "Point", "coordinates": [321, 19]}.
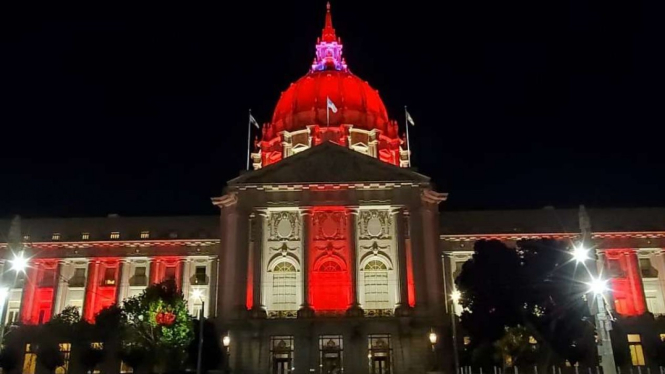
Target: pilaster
{"type": "Point", "coordinates": [352, 237]}
{"type": "Point", "coordinates": [258, 263]}
{"type": "Point", "coordinates": [306, 310]}
{"type": "Point", "coordinates": [403, 307]}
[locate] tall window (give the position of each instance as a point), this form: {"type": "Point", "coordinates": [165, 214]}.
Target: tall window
{"type": "Point", "coordinates": [331, 349]}
{"type": "Point", "coordinates": [284, 287]}
{"type": "Point", "coordinates": [48, 278]}
{"type": "Point", "coordinates": [65, 349]}
{"type": "Point", "coordinates": [636, 351]}
{"type": "Point", "coordinates": [376, 286]}
{"type": "Point", "coordinates": [29, 360]}
{"type": "Point", "coordinates": [169, 273]}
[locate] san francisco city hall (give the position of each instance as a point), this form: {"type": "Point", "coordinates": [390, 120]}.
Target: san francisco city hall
{"type": "Point", "coordinates": [331, 254]}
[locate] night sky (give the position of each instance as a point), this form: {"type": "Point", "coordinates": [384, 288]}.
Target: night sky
{"type": "Point", "coordinates": [142, 110]}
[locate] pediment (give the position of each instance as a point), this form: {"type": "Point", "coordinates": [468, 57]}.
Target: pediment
{"type": "Point", "coordinates": [329, 163]}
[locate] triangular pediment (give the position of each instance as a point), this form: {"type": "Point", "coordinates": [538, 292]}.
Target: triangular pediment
{"type": "Point", "coordinates": [329, 163]}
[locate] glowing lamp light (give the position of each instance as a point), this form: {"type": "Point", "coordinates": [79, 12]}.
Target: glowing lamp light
{"type": "Point", "coordinates": [197, 294]}
{"type": "Point", "coordinates": [19, 263]}
{"type": "Point", "coordinates": [580, 254]}
{"type": "Point", "coordinates": [455, 296]}
{"type": "Point", "coordinates": [598, 286]}
{"type": "Point", "coordinates": [226, 341]}
{"type": "Point", "coordinates": [432, 337]}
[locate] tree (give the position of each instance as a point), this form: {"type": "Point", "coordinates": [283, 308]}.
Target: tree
{"type": "Point", "coordinates": [531, 285]}
{"type": "Point", "coordinates": [156, 328]}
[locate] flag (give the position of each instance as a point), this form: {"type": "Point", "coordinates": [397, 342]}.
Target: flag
{"type": "Point", "coordinates": [331, 106]}
{"type": "Point", "coordinates": [253, 121]}
{"type": "Point", "coordinates": [409, 119]}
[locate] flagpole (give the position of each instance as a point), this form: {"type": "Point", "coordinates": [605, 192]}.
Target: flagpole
{"type": "Point", "coordinates": [249, 135]}
{"type": "Point", "coordinates": [327, 114]}
{"type": "Point", "coordinates": [408, 144]}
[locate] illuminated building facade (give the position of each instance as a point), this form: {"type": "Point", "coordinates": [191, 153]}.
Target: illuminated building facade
{"type": "Point", "coordinates": [332, 254]}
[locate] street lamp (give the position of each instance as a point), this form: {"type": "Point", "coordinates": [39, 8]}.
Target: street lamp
{"type": "Point", "coordinates": [197, 293]}
{"type": "Point", "coordinates": [580, 253]}
{"type": "Point", "coordinates": [18, 263]}
{"type": "Point", "coordinates": [598, 287]}
{"type": "Point", "coordinates": [432, 338]}
{"type": "Point", "coordinates": [455, 297]}
{"type": "Point", "coordinates": [226, 341]}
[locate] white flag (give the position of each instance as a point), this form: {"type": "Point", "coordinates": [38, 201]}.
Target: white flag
{"type": "Point", "coordinates": [409, 119]}
{"type": "Point", "coordinates": [253, 121]}
{"type": "Point", "coordinates": [331, 106]}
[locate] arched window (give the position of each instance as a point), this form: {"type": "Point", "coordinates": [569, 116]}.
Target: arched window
{"type": "Point", "coordinates": [376, 286]}
{"type": "Point", "coordinates": [284, 292]}
{"type": "Point", "coordinates": [329, 267]}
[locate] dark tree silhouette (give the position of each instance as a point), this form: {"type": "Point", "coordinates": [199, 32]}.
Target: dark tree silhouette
{"type": "Point", "coordinates": [532, 285]}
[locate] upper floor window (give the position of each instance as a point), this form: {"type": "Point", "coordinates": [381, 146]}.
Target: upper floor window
{"type": "Point", "coordinates": [115, 235]}
{"type": "Point", "coordinates": [140, 277]}
{"type": "Point", "coordinates": [169, 273]}
{"type": "Point", "coordinates": [200, 276]}
{"type": "Point", "coordinates": [109, 277]}
{"type": "Point", "coordinates": [284, 287]}
{"type": "Point", "coordinates": [377, 294]}
{"type": "Point", "coordinates": [48, 278]}
{"type": "Point", "coordinates": [145, 234]}
{"type": "Point", "coordinates": [647, 270]}
{"type": "Point", "coordinates": [78, 279]}
{"type": "Point", "coordinates": [55, 236]}
{"type": "Point", "coordinates": [85, 236]}
{"type": "Point", "coordinates": [26, 238]}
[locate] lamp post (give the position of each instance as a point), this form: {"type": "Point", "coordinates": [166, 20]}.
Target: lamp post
{"type": "Point", "coordinates": [18, 265]}
{"type": "Point", "coordinates": [432, 340]}
{"type": "Point", "coordinates": [455, 297]}
{"type": "Point", "coordinates": [198, 294]}
{"type": "Point", "coordinates": [226, 341]}
{"type": "Point", "coordinates": [603, 319]}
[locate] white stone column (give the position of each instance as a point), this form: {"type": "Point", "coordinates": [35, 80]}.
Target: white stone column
{"type": "Point", "coordinates": [125, 272]}
{"type": "Point", "coordinates": [352, 232]}
{"type": "Point", "coordinates": [306, 310]}
{"type": "Point", "coordinates": [403, 306]}
{"type": "Point", "coordinates": [61, 286]}
{"type": "Point", "coordinates": [258, 265]}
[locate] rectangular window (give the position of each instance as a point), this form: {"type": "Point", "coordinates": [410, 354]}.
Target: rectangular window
{"type": "Point", "coordinates": [85, 236]}
{"type": "Point", "coordinates": [29, 360]}
{"type": "Point", "coordinates": [647, 270]}
{"type": "Point", "coordinates": [78, 279]}
{"type": "Point", "coordinates": [55, 236]}
{"type": "Point", "coordinates": [109, 277]}
{"type": "Point", "coordinates": [48, 278]}
{"type": "Point", "coordinates": [145, 234]}
{"type": "Point", "coordinates": [200, 276]}
{"type": "Point", "coordinates": [331, 348]}
{"type": "Point", "coordinates": [115, 235]}
{"type": "Point", "coordinates": [380, 352]}
{"type": "Point", "coordinates": [377, 294]}
{"type": "Point", "coordinates": [65, 349]}
{"type": "Point", "coordinates": [169, 273]}
{"type": "Point", "coordinates": [636, 351]}
{"type": "Point", "coordinates": [281, 354]}
{"type": "Point", "coordinates": [139, 278]}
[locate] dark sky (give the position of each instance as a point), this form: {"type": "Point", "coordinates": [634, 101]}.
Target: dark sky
{"type": "Point", "coordinates": [143, 109]}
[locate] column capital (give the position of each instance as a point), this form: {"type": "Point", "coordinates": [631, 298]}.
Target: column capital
{"type": "Point", "coordinates": [306, 210]}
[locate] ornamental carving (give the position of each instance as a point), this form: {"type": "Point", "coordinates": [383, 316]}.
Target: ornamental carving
{"type": "Point", "coordinates": [374, 224]}
{"type": "Point", "coordinates": [284, 226]}
{"type": "Point", "coordinates": [329, 225]}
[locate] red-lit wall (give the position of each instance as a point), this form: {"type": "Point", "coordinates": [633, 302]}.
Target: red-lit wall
{"type": "Point", "coordinates": [626, 283]}
{"type": "Point", "coordinates": [100, 292]}
{"type": "Point", "coordinates": [41, 280]}
{"type": "Point", "coordinates": [329, 258]}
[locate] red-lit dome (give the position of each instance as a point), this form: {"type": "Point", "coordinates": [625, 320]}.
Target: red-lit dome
{"type": "Point", "coordinates": [329, 104]}
{"type": "Point", "coordinates": [304, 103]}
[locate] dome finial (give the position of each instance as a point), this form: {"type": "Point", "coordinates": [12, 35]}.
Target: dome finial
{"type": "Point", "coordinates": [328, 34]}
